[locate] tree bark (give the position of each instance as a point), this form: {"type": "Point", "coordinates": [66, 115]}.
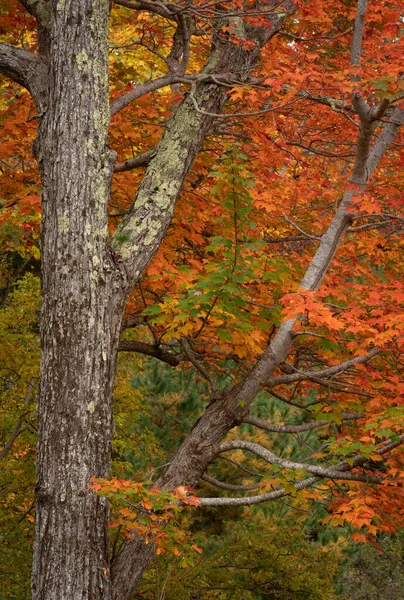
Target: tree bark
{"type": "Point", "coordinates": [83, 299]}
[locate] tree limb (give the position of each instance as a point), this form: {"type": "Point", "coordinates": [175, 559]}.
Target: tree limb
{"type": "Point", "coordinates": [25, 68]}
{"type": "Point", "coordinates": [17, 429]}
{"type": "Point", "coordinates": [230, 486]}
{"type": "Point", "coordinates": [273, 459]}
{"type": "Point", "coordinates": [16, 432]}
{"type": "Point", "coordinates": [251, 500]}
{"type": "Point", "coordinates": [151, 350]}
{"type": "Point", "coordinates": [356, 46]}
{"type": "Point", "coordinates": [141, 90]}
{"type": "Point", "coordinates": [390, 129]}
{"type": "Point", "coordinates": [141, 160]}
{"type": "Point", "coordinates": [158, 8]}
{"type": "Point", "coordinates": [140, 233]}
{"type": "Point", "coordinates": [262, 424]}
{"type": "Point", "coordinates": [198, 366]}
{"type": "Point", "coordinates": [322, 373]}
{"type": "Point", "coordinates": [279, 493]}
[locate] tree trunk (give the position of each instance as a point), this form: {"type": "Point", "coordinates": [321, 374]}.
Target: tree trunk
{"type": "Point", "coordinates": [83, 300]}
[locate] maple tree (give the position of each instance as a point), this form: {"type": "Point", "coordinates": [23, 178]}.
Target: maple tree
{"type": "Point", "coordinates": [261, 142]}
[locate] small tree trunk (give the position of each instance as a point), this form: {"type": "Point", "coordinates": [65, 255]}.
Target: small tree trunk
{"type": "Point", "coordinates": [83, 300]}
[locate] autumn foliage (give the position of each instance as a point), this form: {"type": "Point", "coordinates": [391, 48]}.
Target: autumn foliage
{"type": "Point", "coordinates": [252, 212]}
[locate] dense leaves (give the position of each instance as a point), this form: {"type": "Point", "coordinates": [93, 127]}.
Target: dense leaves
{"type": "Point", "coordinates": [260, 201]}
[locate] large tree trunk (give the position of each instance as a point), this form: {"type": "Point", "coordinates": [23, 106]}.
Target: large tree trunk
{"type": "Point", "coordinates": [83, 299]}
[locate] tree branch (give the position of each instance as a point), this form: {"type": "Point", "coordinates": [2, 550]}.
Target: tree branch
{"type": "Point", "coordinates": [159, 8]}
{"type": "Point", "coordinates": [141, 160]}
{"type": "Point", "coordinates": [279, 493]}
{"type": "Point", "coordinates": [16, 432]}
{"type": "Point", "coordinates": [230, 486]}
{"type": "Point", "coordinates": [17, 429]}
{"type": "Point", "coordinates": [140, 233]}
{"type": "Point", "coordinates": [390, 129]}
{"type": "Point", "coordinates": [251, 500]}
{"type": "Point", "coordinates": [273, 459]}
{"type": "Point", "coordinates": [151, 350]}
{"type": "Point", "coordinates": [262, 424]}
{"type": "Point", "coordinates": [322, 373]}
{"type": "Point", "coordinates": [356, 46]}
{"type": "Point", "coordinates": [198, 366]}
{"type": "Point", "coordinates": [25, 68]}
{"type": "Point", "coordinates": [141, 90]}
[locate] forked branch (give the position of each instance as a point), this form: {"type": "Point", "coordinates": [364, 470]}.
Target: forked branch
{"type": "Point", "coordinates": [339, 472]}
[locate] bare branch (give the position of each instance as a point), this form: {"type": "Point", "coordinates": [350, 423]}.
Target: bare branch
{"type": "Point", "coordinates": [320, 152]}
{"type": "Point", "coordinates": [262, 424]}
{"type": "Point", "coordinates": [133, 321]}
{"type": "Point", "coordinates": [16, 432]}
{"type": "Point", "coordinates": [230, 486]}
{"type": "Point", "coordinates": [322, 373]}
{"type": "Point", "coordinates": [158, 8]}
{"type": "Point", "coordinates": [251, 500]}
{"type": "Point", "coordinates": [306, 235]}
{"type": "Point", "coordinates": [142, 90]}
{"type": "Point", "coordinates": [178, 58]}
{"type": "Point", "coordinates": [356, 47]}
{"type": "Point", "coordinates": [273, 459]}
{"type": "Point", "coordinates": [17, 429]}
{"type": "Point", "coordinates": [385, 138]}
{"type": "Point", "coordinates": [222, 79]}
{"type": "Point", "coordinates": [286, 239]}
{"type": "Point", "coordinates": [141, 160]}
{"type": "Point", "coordinates": [333, 103]}
{"type": "Point", "coordinates": [368, 116]}
{"type": "Point", "coordinates": [151, 350]}
{"type": "Point", "coordinates": [339, 469]}
{"type": "Point", "coordinates": [239, 466]}
{"type": "Point", "coordinates": [198, 366]}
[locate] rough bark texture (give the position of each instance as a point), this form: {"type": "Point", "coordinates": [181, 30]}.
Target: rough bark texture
{"type": "Point", "coordinates": [83, 301]}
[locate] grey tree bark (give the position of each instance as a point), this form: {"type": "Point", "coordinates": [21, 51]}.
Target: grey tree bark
{"type": "Point", "coordinates": [83, 298]}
